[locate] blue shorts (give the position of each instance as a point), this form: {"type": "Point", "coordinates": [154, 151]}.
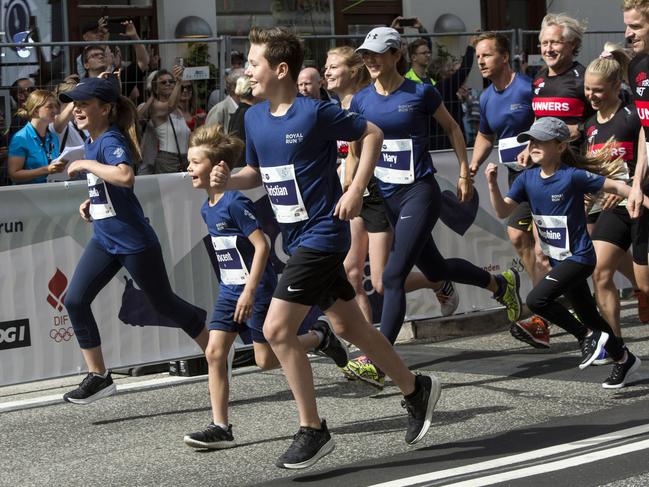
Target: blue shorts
{"type": "Point", "coordinates": [223, 316]}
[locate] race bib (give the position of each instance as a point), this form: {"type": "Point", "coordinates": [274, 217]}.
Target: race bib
{"type": "Point", "coordinates": [231, 264]}
{"type": "Point", "coordinates": [508, 150]}
{"type": "Point", "coordinates": [100, 204]}
{"type": "Point", "coordinates": [396, 164]}
{"type": "Point", "coordinates": [284, 193]}
{"type": "Point", "coordinates": [553, 235]}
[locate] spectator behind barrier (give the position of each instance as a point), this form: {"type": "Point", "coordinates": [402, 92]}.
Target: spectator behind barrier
{"type": "Point", "coordinates": [308, 83]}
{"type": "Point", "coordinates": [4, 178]}
{"type": "Point", "coordinates": [64, 125]}
{"type": "Point", "coordinates": [223, 110]}
{"type": "Point", "coordinates": [33, 148]}
{"type": "Point", "coordinates": [419, 54]}
{"type": "Point", "coordinates": [237, 61]}
{"type": "Point", "coordinates": [194, 115]}
{"type": "Point", "coordinates": [450, 76]}
{"type": "Point", "coordinates": [166, 135]}
{"type": "Point", "coordinates": [92, 31]}
{"type": "Point", "coordinates": [237, 128]}
{"type": "Point", "coordinates": [131, 74]}
{"type": "Point", "coordinates": [19, 91]}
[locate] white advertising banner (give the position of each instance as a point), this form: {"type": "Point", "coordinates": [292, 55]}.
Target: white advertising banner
{"type": "Point", "coordinates": [42, 238]}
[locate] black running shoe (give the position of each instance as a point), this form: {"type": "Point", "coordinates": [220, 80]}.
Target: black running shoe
{"type": "Point", "coordinates": [93, 387]}
{"type": "Point", "coordinates": [309, 445]}
{"type": "Point", "coordinates": [591, 347]}
{"type": "Point", "coordinates": [331, 346]}
{"type": "Point", "coordinates": [420, 407]}
{"type": "Point", "coordinates": [213, 437]}
{"type": "Point", "coordinates": [622, 372]}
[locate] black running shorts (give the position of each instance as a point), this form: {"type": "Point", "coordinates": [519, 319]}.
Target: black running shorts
{"type": "Point", "coordinates": [615, 226]}
{"type": "Point", "coordinates": [314, 278]}
{"type": "Point", "coordinates": [521, 218]}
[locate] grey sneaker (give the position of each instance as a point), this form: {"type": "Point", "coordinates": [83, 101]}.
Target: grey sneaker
{"type": "Point", "coordinates": [92, 388]}
{"type": "Point", "coordinates": [420, 407]}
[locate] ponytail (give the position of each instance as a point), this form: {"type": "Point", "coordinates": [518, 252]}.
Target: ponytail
{"type": "Point", "coordinates": [601, 162]}
{"type": "Point", "coordinates": [124, 115]}
{"type": "Point", "coordinates": [611, 65]}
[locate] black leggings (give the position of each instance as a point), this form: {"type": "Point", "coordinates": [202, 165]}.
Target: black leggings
{"type": "Point", "coordinates": [413, 212]}
{"type": "Point", "coordinates": [569, 278]}
{"type": "Point", "coordinates": [97, 267]}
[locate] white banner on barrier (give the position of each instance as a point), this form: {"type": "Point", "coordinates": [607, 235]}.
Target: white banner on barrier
{"type": "Point", "coordinates": [42, 239]}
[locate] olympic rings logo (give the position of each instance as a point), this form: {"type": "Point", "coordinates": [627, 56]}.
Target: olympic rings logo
{"type": "Point", "coordinates": [62, 334]}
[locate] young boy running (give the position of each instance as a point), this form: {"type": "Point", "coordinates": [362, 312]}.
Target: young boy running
{"type": "Point", "coordinates": [247, 282]}
{"type": "Point", "coordinates": [291, 148]}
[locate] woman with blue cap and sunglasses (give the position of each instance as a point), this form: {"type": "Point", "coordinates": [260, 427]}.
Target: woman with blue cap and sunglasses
{"type": "Point", "coordinates": [555, 191]}
{"type": "Point", "coordinates": [402, 108]}
{"type": "Point", "coordinates": [122, 235]}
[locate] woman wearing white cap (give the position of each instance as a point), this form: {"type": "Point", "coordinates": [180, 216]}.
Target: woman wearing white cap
{"type": "Point", "coordinates": [405, 173]}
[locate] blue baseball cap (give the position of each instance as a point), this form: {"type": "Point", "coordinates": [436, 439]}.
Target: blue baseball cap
{"type": "Point", "coordinates": [89, 88]}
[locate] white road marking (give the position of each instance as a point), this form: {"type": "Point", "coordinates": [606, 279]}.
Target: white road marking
{"type": "Point", "coordinates": [524, 457]}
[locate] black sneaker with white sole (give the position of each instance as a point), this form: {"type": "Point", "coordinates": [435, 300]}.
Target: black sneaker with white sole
{"type": "Point", "coordinates": [213, 437]}
{"type": "Point", "coordinates": [309, 445]}
{"type": "Point", "coordinates": [331, 346]}
{"type": "Point", "coordinates": [591, 346]}
{"type": "Point", "coordinates": [622, 372]}
{"type": "Point", "coordinates": [420, 406]}
{"type": "Point", "coordinates": [92, 388]}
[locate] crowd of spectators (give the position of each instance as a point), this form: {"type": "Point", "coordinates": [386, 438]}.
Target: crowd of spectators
{"type": "Point", "coordinates": [169, 108]}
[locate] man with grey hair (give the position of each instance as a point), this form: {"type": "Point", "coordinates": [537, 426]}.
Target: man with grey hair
{"type": "Point", "coordinates": [558, 88]}
{"type": "Point", "coordinates": [222, 111]}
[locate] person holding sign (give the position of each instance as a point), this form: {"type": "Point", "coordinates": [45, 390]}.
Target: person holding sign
{"type": "Point", "coordinates": [247, 282]}
{"type": "Point", "coordinates": [555, 191]}
{"type": "Point", "coordinates": [401, 108]}
{"type": "Point", "coordinates": [122, 236]}
{"type": "Point", "coordinates": [505, 112]}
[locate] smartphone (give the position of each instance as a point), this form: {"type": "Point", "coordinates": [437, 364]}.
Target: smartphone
{"type": "Point", "coordinates": [407, 22]}
{"type": "Point", "coordinates": [180, 62]}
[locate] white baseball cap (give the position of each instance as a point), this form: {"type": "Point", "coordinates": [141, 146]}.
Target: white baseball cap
{"type": "Point", "coordinates": [380, 39]}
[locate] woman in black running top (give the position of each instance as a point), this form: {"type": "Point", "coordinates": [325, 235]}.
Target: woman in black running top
{"type": "Point", "coordinates": [613, 132]}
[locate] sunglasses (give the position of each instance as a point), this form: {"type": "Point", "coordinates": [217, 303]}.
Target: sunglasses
{"type": "Point", "coordinates": [166, 82]}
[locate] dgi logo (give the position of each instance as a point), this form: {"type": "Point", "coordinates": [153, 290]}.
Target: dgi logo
{"type": "Point", "coordinates": [14, 334]}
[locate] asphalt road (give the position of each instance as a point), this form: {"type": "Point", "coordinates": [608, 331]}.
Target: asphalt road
{"type": "Point", "coordinates": [509, 415]}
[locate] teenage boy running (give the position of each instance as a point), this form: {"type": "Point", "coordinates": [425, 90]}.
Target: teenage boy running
{"type": "Point", "coordinates": [291, 148]}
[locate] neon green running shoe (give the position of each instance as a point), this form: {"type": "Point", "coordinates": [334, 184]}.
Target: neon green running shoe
{"type": "Point", "coordinates": [510, 297]}
{"type": "Point", "coordinates": [363, 369]}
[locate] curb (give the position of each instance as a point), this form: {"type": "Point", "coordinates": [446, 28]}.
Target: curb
{"type": "Point", "coordinates": [455, 326]}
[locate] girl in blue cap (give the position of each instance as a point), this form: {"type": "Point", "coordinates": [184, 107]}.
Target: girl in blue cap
{"type": "Point", "coordinates": [122, 236]}
{"type": "Point", "coordinates": [555, 191]}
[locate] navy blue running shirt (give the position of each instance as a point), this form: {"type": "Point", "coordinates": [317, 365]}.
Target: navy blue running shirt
{"type": "Point", "coordinates": [557, 205]}
{"type": "Point", "coordinates": [230, 222]}
{"type": "Point", "coordinates": [118, 219]}
{"type": "Point", "coordinates": [404, 117]}
{"type": "Point", "coordinates": [506, 114]}
{"type": "Point", "coordinates": [296, 156]}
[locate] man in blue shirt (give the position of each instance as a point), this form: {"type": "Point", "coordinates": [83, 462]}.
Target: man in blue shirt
{"type": "Point", "coordinates": [505, 112]}
{"type": "Point", "coordinates": [291, 149]}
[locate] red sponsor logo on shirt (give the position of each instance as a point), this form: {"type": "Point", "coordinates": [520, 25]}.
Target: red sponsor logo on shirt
{"type": "Point", "coordinates": [643, 112]}
{"type": "Point", "coordinates": [557, 107]}
{"type": "Point", "coordinates": [538, 81]}
{"type": "Point", "coordinates": [625, 150]}
{"type": "Point", "coordinates": [592, 130]}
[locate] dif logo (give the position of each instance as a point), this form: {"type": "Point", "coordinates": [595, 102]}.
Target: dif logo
{"type": "Point", "coordinates": [57, 286]}
{"type": "Point", "coordinates": [14, 334]}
